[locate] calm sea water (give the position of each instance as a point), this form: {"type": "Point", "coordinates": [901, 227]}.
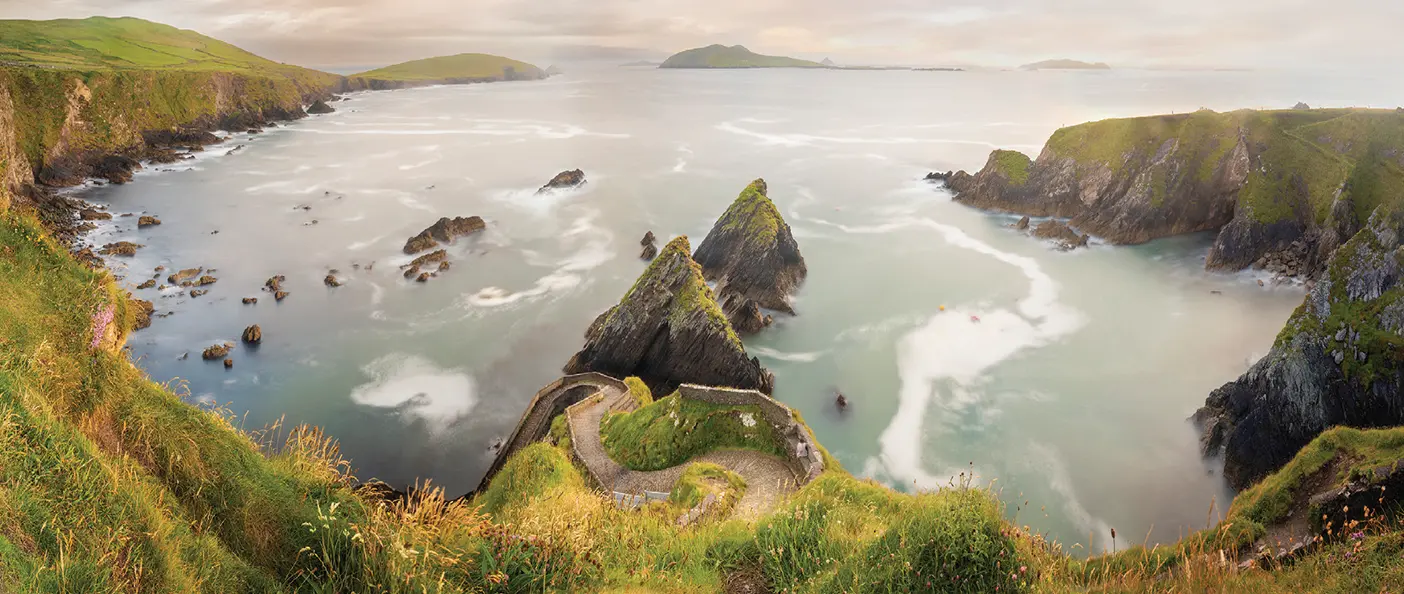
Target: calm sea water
{"type": "Point", "coordinates": [1072, 391]}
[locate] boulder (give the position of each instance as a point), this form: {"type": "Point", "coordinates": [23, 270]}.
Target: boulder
{"type": "Point", "coordinates": [250, 300]}
{"type": "Point", "coordinates": [669, 330]}
{"type": "Point", "coordinates": [424, 277]}
{"type": "Point", "coordinates": [412, 271]}
{"type": "Point", "coordinates": [228, 363]}
{"type": "Point", "coordinates": [142, 314]}
{"type": "Point", "coordinates": [433, 257]}
{"type": "Point", "coordinates": [89, 214]}
{"type": "Point", "coordinates": [121, 248]}
{"type": "Point", "coordinates": [216, 352]}
{"type": "Point", "coordinates": [206, 280]}
{"type": "Point", "coordinates": [445, 230]}
{"type": "Point", "coordinates": [147, 221]}
{"type": "Point", "coordinates": [443, 266]}
{"type": "Point", "coordinates": [564, 180]}
{"type": "Point", "coordinates": [183, 275]}
{"type": "Point", "coordinates": [275, 284]}
{"type": "Point", "coordinates": [750, 252]}
{"type": "Point", "coordinates": [331, 281]}
{"type": "Point", "coordinates": [198, 292]}
{"type": "Point", "coordinates": [648, 239]}
{"type": "Point", "coordinates": [253, 335]}
{"type": "Point", "coordinates": [1060, 234]}
{"type": "Point", "coordinates": [147, 284]}
{"type": "Point", "coordinates": [1023, 224]}
{"type": "Point", "coordinates": [320, 107]}
{"type": "Point", "coordinates": [279, 295]}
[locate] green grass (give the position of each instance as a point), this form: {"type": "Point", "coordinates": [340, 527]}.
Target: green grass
{"type": "Point", "coordinates": [446, 68]}
{"type": "Point", "coordinates": [1013, 165]}
{"type": "Point", "coordinates": [753, 215]}
{"type": "Point", "coordinates": [639, 390]}
{"type": "Point", "coordinates": [673, 430]}
{"type": "Point", "coordinates": [701, 479]}
{"type": "Point", "coordinates": [736, 56]}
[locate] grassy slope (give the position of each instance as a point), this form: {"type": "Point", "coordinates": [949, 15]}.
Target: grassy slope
{"type": "Point", "coordinates": [461, 66]}
{"type": "Point", "coordinates": [673, 430]}
{"type": "Point", "coordinates": [1320, 149]}
{"type": "Point", "coordinates": [720, 56]}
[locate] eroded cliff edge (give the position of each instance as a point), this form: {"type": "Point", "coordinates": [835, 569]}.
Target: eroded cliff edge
{"type": "Point", "coordinates": [1283, 189]}
{"type": "Point", "coordinates": [669, 330]}
{"type": "Point", "coordinates": [1338, 361]}
{"type": "Point", "coordinates": [753, 258]}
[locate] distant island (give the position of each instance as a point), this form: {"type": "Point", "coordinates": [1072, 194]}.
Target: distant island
{"type": "Point", "coordinates": [736, 56]}
{"type": "Point", "coordinates": [458, 69]}
{"type": "Point", "coordinates": [640, 64]}
{"type": "Point", "coordinates": [1065, 64]}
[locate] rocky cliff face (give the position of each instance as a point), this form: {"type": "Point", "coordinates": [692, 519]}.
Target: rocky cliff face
{"type": "Point", "coordinates": [669, 330]}
{"type": "Point", "coordinates": [1339, 361]}
{"type": "Point", "coordinates": [752, 257]}
{"type": "Point", "coordinates": [1281, 188]}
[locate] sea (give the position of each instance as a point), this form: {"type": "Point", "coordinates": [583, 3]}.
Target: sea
{"type": "Point", "coordinates": [1061, 380]}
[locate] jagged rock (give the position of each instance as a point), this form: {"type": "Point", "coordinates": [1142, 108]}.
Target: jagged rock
{"type": "Point", "coordinates": [147, 221]}
{"type": "Point", "coordinates": [445, 230]}
{"type": "Point", "coordinates": [275, 284]}
{"type": "Point", "coordinates": [320, 107]}
{"type": "Point", "coordinates": [331, 281]}
{"type": "Point", "coordinates": [745, 316]}
{"type": "Point", "coordinates": [253, 335]}
{"type": "Point", "coordinates": [216, 352]}
{"type": "Point", "coordinates": [1060, 234]}
{"type": "Point", "coordinates": [159, 269]}
{"type": "Point", "coordinates": [228, 363]}
{"type": "Point", "coordinates": [1378, 489]}
{"type": "Point", "coordinates": [649, 252]}
{"type": "Point", "coordinates": [250, 300]}
{"type": "Point", "coordinates": [143, 310]}
{"type": "Point", "coordinates": [443, 266]}
{"type": "Point", "coordinates": [648, 239]}
{"type": "Point", "coordinates": [206, 280]}
{"type": "Point", "coordinates": [89, 214]}
{"type": "Point", "coordinates": [121, 248]}
{"type": "Point", "coordinates": [412, 272]}
{"type": "Point", "coordinates": [750, 252]}
{"type": "Point", "coordinates": [147, 284]}
{"type": "Point", "coordinates": [427, 259]}
{"type": "Point", "coordinates": [564, 180]}
{"type": "Point", "coordinates": [424, 277]}
{"type": "Point", "coordinates": [1312, 379]}
{"type": "Point", "coordinates": [1023, 224]}
{"type": "Point", "coordinates": [938, 177]}
{"type": "Point", "coordinates": [279, 295]}
{"type": "Point", "coordinates": [183, 275]}
{"type": "Point", "coordinates": [669, 330]}
{"type": "Point", "coordinates": [197, 292]}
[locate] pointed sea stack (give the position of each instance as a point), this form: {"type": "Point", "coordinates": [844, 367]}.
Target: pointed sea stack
{"type": "Point", "coordinates": [752, 256]}
{"type": "Point", "coordinates": [669, 330]}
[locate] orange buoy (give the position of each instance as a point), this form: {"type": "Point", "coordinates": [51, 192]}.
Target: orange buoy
{"type": "Point", "coordinates": [943, 308]}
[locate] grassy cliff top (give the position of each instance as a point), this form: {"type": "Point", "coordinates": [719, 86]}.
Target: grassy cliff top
{"type": "Point", "coordinates": [672, 430]}
{"type": "Point", "coordinates": [753, 215]}
{"type": "Point", "coordinates": [1317, 151]}
{"type": "Point", "coordinates": [461, 66]}
{"type": "Point", "coordinates": [736, 56]}
{"type": "Point", "coordinates": [101, 43]}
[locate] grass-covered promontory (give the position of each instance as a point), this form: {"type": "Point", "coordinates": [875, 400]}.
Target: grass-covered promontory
{"type": "Point", "coordinates": [672, 430]}
{"type": "Point", "coordinates": [461, 68]}
{"type": "Point", "coordinates": [736, 56]}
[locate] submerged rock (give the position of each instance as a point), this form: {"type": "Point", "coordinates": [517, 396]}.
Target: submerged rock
{"type": "Point", "coordinates": [183, 275]}
{"type": "Point", "coordinates": [1060, 234]}
{"type": "Point", "coordinates": [198, 292]}
{"type": "Point", "coordinates": [320, 107]}
{"type": "Point", "coordinates": [1023, 224]}
{"type": "Point", "coordinates": [331, 281]}
{"type": "Point", "coordinates": [427, 259]}
{"type": "Point", "coordinates": [750, 252]}
{"type": "Point", "coordinates": [938, 177]}
{"type": "Point", "coordinates": [275, 284]}
{"type": "Point", "coordinates": [445, 230]}
{"type": "Point", "coordinates": [650, 247]}
{"type": "Point", "coordinates": [669, 330]}
{"type": "Point", "coordinates": [250, 300]}
{"type": "Point", "coordinates": [279, 295]}
{"type": "Point", "coordinates": [89, 214]}
{"type": "Point", "coordinates": [216, 352]}
{"type": "Point", "coordinates": [1335, 363]}
{"type": "Point", "coordinates": [147, 221]}
{"type": "Point", "coordinates": [564, 180]}
{"type": "Point", "coordinates": [147, 284]}
{"type": "Point", "coordinates": [121, 248]}
{"type": "Point", "coordinates": [228, 363]}
{"type": "Point", "coordinates": [252, 335]}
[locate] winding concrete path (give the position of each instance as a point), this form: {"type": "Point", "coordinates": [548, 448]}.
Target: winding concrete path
{"type": "Point", "coordinates": [768, 478]}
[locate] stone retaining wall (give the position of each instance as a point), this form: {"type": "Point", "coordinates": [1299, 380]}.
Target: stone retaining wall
{"type": "Point", "coordinates": [809, 463]}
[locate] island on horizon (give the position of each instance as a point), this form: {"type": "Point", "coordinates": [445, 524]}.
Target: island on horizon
{"type": "Point", "coordinates": [736, 56]}
{"type": "Point", "coordinates": [455, 69]}
{"type": "Point", "coordinates": [1065, 64]}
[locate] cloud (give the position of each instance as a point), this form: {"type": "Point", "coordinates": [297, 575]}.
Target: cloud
{"type": "Point", "coordinates": [1261, 33]}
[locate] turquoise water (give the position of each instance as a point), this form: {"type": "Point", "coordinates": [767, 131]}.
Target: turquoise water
{"type": "Point", "coordinates": [1071, 390]}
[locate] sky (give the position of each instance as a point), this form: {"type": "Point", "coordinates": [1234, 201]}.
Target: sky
{"type": "Point", "coordinates": [345, 34]}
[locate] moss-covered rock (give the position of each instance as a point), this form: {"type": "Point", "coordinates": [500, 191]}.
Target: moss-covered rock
{"type": "Point", "coordinates": [1338, 361]}
{"type": "Point", "coordinates": [753, 258]}
{"type": "Point", "coordinates": [1274, 184]}
{"type": "Point", "coordinates": [669, 330]}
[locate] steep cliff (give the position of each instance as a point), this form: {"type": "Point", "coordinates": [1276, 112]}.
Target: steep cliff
{"type": "Point", "coordinates": [752, 257]}
{"type": "Point", "coordinates": [669, 330]}
{"type": "Point", "coordinates": [1282, 188]}
{"type": "Point", "coordinates": [1339, 361]}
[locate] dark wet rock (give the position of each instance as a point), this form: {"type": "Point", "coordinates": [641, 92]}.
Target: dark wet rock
{"type": "Point", "coordinates": [564, 180]}
{"type": "Point", "coordinates": [216, 352]}
{"type": "Point", "coordinates": [1060, 234]}
{"type": "Point", "coordinates": [142, 311]}
{"type": "Point", "coordinates": [938, 177]}
{"type": "Point", "coordinates": [89, 214]}
{"type": "Point", "coordinates": [121, 248]}
{"type": "Point", "coordinates": [228, 363]}
{"type": "Point", "coordinates": [1023, 224]}
{"type": "Point", "coordinates": [147, 284]}
{"type": "Point", "coordinates": [183, 275]}
{"type": "Point", "coordinates": [198, 292]}
{"type": "Point", "coordinates": [445, 230]}
{"type": "Point", "coordinates": [252, 335]}
{"type": "Point", "coordinates": [320, 107]}
{"type": "Point", "coordinates": [147, 221]}
{"type": "Point", "coordinates": [1335, 363]}
{"type": "Point", "coordinates": [279, 295]}
{"type": "Point", "coordinates": [649, 252]}
{"type": "Point", "coordinates": [841, 401]}
{"type": "Point", "coordinates": [430, 258]}
{"type": "Point", "coordinates": [745, 316]}
{"type": "Point", "coordinates": [275, 283]}
{"type": "Point", "coordinates": [669, 330]}
{"type": "Point", "coordinates": [648, 239]}
{"type": "Point", "coordinates": [251, 301]}
{"type": "Point", "coordinates": [750, 252]}
{"type": "Point", "coordinates": [84, 228]}
{"type": "Point", "coordinates": [331, 281]}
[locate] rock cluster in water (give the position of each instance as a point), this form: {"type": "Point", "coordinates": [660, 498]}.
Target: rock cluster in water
{"type": "Point", "coordinates": [650, 247]}
{"type": "Point", "coordinates": [753, 258]}
{"type": "Point", "coordinates": [1337, 362]}
{"type": "Point", "coordinates": [669, 330]}
{"type": "Point", "coordinates": [564, 181]}
{"type": "Point", "coordinates": [445, 230]}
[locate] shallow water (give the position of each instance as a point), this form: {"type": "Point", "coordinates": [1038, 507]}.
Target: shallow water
{"type": "Point", "coordinates": [1071, 390]}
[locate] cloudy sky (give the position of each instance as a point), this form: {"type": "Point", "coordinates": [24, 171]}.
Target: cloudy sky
{"type": "Point", "coordinates": [1220, 33]}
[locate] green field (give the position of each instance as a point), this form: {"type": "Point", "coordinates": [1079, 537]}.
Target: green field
{"type": "Point", "coordinates": [736, 56]}
{"type": "Point", "coordinates": [450, 68]}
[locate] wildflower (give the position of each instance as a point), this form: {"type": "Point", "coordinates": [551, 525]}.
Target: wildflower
{"type": "Point", "coordinates": [1357, 535]}
{"type": "Point", "coordinates": [101, 320]}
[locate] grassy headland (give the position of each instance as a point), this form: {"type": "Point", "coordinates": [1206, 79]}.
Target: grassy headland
{"type": "Point", "coordinates": [736, 56]}
{"type": "Point", "coordinates": [451, 69]}
{"type": "Point", "coordinates": [672, 430]}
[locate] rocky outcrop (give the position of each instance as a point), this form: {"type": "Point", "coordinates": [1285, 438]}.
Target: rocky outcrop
{"type": "Point", "coordinates": [1059, 233]}
{"type": "Point", "coordinates": [147, 221]}
{"type": "Point", "coordinates": [331, 281]}
{"type": "Point", "coordinates": [650, 247]}
{"type": "Point", "coordinates": [142, 311]}
{"type": "Point", "coordinates": [1337, 362]}
{"type": "Point", "coordinates": [445, 230]}
{"type": "Point", "coordinates": [216, 352]}
{"type": "Point", "coordinates": [147, 284]}
{"type": "Point", "coordinates": [250, 301]}
{"type": "Point", "coordinates": [181, 276]}
{"type": "Point", "coordinates": [669, 330]}
{"type": "Point", "coordinates": [564, 180]}
{"type": "Point", "coordinates": [320, 107]}
{"type": "Point", "coordinates": [252, 335]}
{"type": "Point", "coordinates": [121, 248]}
{"type": "Point", "coordinates": [752, 256]}
{"type": "Point", "coordinates": [1268, 182]}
